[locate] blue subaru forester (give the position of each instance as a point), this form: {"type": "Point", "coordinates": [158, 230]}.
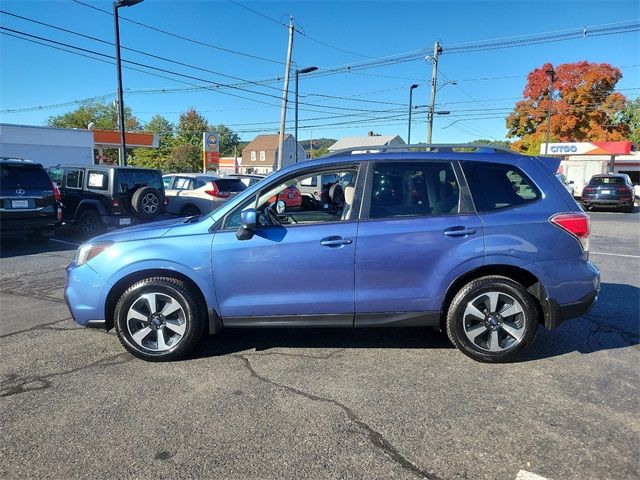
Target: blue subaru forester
{"type": "Point", "coordinates": [483, 243]}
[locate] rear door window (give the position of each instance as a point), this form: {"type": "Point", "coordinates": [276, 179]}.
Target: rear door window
{"type": "Point", "coordinates": [414, 190]}
{"type": "Point", "coordinates": [75, 178]}
{"type": "Point", "coordinates": [495, 186]}
{"type": "Point", "coordinates": [13, 177]}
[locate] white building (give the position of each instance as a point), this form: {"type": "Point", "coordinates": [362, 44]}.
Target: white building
{"type": "Point", "coordinates": [370, 142]}
{"type": "Point", "coordinates": [46, 145]}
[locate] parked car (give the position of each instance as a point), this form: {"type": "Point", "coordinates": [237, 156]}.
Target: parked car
{"type": "Point", "coordinates": [568, 184]}
{"type": "Point", "coordinates": [29, 200]}
{"type": "Point", "coordinates": [247, 178]}
{"type": "Point", "coordinates": [483, 244]}
{"type": "Point", "coordinates": [97, 197]}
{"type": "Point", "coordinates": [611, 190]}
{"type": "Point", "coordinates": [197, 193]}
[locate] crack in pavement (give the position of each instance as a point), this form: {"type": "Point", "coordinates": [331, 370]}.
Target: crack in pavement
{"type": "Point", "coordinates": [599, 326]}
{"type": "Point", "coordinates": [13, 384]}
{"type": "Point", "coordinates": [33, 295]}
{"type": "Point", "coordinates": [42, 326]}
{"type": "Point", "coordinates": [300, 355]}
{"type": "Point", "coordinates": [375, 437]}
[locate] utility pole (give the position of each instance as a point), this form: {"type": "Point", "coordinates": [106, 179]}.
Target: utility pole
{"type": "Point", "coordinates": [437, 49]}
{"type": "Point", "coordinates": [285, 92]}
{"type": "Point", "coordinates": [410, 108]}
{"type": "Point", "coordinates": [552, 76]}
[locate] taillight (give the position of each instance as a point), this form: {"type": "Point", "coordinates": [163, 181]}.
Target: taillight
{"type": "Point", "coordinates": [165, 202]}
{"type": "Point", "coordinates": [56, 191]}
{"type": "Point", "coordinates": [215, 191]}
{"type": "Point", "coordinates": [115, 202]}
{"type": "Point", "coordinates": [624, 190]}
{"type": "Point", "coordinates": [577, 224]}
{"type": "Point", "coordinates": [588, 190]}
{"type": "Point", "coordinates": [59, 214]}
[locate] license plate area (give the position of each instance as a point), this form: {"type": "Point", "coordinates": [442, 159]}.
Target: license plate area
{"type": "Point", "coordinates": [124, 221]}
{"type": "Point", "coordinates": [19, 203]}
{"type": "Point", "coordinates": [605, 192]}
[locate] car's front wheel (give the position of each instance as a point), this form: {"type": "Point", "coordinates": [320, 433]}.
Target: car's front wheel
{"type": "Point", "coordinates": [159, 319]}
{"type": "Point", "coordinates": [492, 319]}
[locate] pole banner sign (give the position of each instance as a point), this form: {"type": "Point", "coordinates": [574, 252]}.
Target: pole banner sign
{"type": "Point", "coordinates": [211, 153]}
{"type": "Point", "coordinates": [587, 148]}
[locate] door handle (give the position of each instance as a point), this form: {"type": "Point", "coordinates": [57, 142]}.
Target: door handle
{"type": "Point", "coordinates": [459, 231]}
{"type": "Point", "coordinates": [335, 241]}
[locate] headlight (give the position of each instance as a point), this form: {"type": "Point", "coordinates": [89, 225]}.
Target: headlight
{"type": "Point", "coordinates": [88, 251]}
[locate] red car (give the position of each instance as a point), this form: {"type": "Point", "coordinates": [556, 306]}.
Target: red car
{"type": "Point", "coordinates": [291, 197]}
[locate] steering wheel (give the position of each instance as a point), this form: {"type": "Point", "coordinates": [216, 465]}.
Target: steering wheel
{"type": "Point", "coordinates": [272, 215]}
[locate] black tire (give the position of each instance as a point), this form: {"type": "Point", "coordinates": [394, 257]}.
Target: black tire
{"type": "Point", "coordinates": [524, 323]}
{"type": "Point", "coordinates": [628, 209]}
{"type": "Point", "coordinates": [88, 224]}
{"type": "Point", "coordinates": [190, 318]}
{"type": "Point", "coordinates": [190, 211]}
{"type": "Point", "coordinates": [146, 203]}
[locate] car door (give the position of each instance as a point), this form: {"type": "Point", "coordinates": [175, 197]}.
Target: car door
{"type": "Point", "coordinates": [418, 229]}
{"type": "Point", "coordinates": [297, 273]}
{"type": "Point", "coordinates": [72, 192]}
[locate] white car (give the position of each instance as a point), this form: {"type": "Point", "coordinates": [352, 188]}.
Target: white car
{"type": "Point", "coordinates": [192, 194]}
{"type": "Point", "coordinates": [567, 184]}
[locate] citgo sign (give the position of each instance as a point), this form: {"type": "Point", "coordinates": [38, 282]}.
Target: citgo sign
{"type": "Point", "coordinates": [586, 148]}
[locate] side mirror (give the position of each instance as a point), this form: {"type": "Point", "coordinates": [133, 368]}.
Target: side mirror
{"type": "Point", "coordinates": [571, 182]}
{"type": "Point", "coordinates": [249, 219]}
{"type": "Point", "coordinates": [280, 207]}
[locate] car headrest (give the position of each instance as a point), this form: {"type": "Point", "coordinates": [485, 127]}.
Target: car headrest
{"type": "Point", "coordinates": [349, 193]}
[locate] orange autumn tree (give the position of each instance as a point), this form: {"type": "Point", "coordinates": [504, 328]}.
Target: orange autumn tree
{"type": "Point", "coordinates": [585, 106]}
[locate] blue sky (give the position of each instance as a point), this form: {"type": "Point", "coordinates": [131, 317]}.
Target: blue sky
{"type": "Point", "coordinates": [488, 82]}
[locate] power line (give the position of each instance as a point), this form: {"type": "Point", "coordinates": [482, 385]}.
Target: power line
{"type": "Point", "coordinates": [181, 37]}
{"type": "Point", "coordinates": [279, 22]}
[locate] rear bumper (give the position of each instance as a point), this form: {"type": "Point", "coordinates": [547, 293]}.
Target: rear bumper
{"type": "Point", "coordinates": [19, 226]}
{"type": "Point", "coordinates": [608, 202]}
{"type": "Point", "coordinates": [557, 314]}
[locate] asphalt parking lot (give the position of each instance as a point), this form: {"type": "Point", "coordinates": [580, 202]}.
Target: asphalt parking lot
{"type": "Point", "coordinates": [379, 403]}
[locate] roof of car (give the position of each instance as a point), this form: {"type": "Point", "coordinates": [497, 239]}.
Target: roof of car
{"type": "Point", "coordinates": [192, 175]}
{"type": "Point", "coordinates": [607, 175]}
{"type": "Point", "coordinates": [105, 167]}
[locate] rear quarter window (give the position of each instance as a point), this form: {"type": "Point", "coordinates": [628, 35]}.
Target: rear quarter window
{"type": "Point", "coordinates": [230, 185]}
{"type": "Point", "coordinates": [495, 186]}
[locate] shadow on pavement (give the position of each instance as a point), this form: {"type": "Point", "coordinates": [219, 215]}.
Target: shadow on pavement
{"type": "Point", "coordinates": [261, 339]}
{"type": "Point", "coordinates": [613, 323]}
{"type": "Point", "coordinates": [20, 246]}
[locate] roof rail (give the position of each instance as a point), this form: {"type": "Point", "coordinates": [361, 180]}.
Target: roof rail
{"type": "Point", "coordinates": [431, 147]}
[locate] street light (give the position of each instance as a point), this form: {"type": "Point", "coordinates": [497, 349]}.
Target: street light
{"type": "Point", "coordinates": [299, 72]}
{"type": "Point", "coordinates": [551, 73]}
{"type": "Point", "coordinates": [411, 88]}
{"type": "Point", "coordinates": [116, 24]}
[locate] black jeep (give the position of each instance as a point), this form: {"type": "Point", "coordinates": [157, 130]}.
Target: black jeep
{"type": "Point", "coordinates": [96, 197]}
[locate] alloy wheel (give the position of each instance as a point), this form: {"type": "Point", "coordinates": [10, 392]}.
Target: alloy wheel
{"type": "Point", "coordinates": [150, 203]}
{"type": "Point", "coordinates": [156, 321]}
{"type": "Point", "coordinates": [494, 321]}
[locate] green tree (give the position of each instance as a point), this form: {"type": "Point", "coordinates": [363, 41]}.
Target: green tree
{"type": "Point", "coordinates": [185, 158]}
{"type": "Point", "coordinates": [630, 116]}
{"type": "Point", "coordinates": [156, 157]}
{"type": "Point", "coordinates": [229, 140]}
{"type": "Point", "coordinates": [190, 128]}
{"type": "Point", "coordinates": [103, 115]}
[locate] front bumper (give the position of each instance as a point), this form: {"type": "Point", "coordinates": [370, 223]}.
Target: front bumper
{"type": "Point", "coordinates": [85, 294]}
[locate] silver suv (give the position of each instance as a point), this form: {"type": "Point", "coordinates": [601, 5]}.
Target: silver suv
{"type": "Point", "coordinates": [198, 193]}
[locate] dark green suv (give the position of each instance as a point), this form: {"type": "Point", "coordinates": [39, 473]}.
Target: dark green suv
{"type": "Point", "coordinates": [96, 197]}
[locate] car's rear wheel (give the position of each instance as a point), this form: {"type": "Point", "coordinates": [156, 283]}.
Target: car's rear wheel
{"type": "Point", "coordinates": [89, 224]}
{"type": "Point", "coordinates": [159, 319]}
{"type": "Point", "coordinates": [492, 319]}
